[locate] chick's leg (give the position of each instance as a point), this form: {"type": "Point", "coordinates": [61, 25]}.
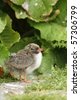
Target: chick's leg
{"type": "Point", "coordinates": [23, 76]}
{"type": "Point", "coordinates": [11, 72]}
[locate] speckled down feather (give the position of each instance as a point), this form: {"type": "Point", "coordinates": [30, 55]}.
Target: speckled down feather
{"type": "Point", "coordinates": [21, 60]}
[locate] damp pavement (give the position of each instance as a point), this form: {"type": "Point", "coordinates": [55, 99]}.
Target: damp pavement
{"type": "Point", "coordinates": [14, 88]}
{"type": "Point", "coordinates": [18, 88]}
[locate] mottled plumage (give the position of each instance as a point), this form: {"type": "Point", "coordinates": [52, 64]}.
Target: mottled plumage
{"type": "Point", "coordinates": [25, 61]}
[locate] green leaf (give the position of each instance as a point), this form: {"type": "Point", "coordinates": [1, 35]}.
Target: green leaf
{"type": "Point", "coordinates": [51, 31]}
{"type": "Point", "coordinates": [52, 57]}
{"type": "Point", "coordinates": [41, 10]}
{"type": "Point", "coordinates": [37, 10]}
{"type": "Point", "coordinates": [47, 61]}
{"type": "Point", "coordinates": [17, 2]}
{"type": "Point", "coordinates": [4, 54]}
{"type": "Point", "coordinates": [8, 37]}
{"type": "Point", "coordinates": [19, 12]}
{"type": "Point", "coordinates": [62, 17]}
{"type": "Point", "coordinates": [3, 21]}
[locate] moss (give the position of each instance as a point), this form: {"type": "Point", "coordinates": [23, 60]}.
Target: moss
{"type": "Point", "coordinates": [56, 80]}
{"type": "Point", "coordinates": [39, 97]}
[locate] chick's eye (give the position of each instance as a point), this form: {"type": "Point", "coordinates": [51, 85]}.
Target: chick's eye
{"type": "Point", "coordinates": [32, 48]}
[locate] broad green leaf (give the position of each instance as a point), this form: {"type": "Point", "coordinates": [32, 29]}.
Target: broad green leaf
{"type": "Point", "coordinates": [41, 10]}
{"type": "Point", "coordinates": [3, 21]}
{"type": "Point", "coordinates": [17, 2]}
{"type": "Point", "coordinates": [19, 12]}
{"type": "Point", "coordinates": [8, 37]}
{"type": "Point", "coordinates": [62, 17]}
{"type": "Point", "coordinates": [47, 61]}
{"type": "Point", "coordinates": [57, 56]}
{"type": "Point", "coordinates": [4, 54]}
{"type": "Point", "coordinates": [37, 10]}
{"type": "Point", "coordinates": [51, 31]}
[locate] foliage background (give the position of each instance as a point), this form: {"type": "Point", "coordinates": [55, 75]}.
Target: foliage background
{"type": "Point", "coordinates": [39, 21]}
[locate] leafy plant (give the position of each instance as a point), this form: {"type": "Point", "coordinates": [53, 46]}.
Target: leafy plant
{"type": "Point", "coordinates": [39, 21]}
{"type": "Point", "coordinates": [37, 10]}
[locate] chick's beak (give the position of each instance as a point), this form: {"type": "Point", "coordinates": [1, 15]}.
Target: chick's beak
{"type": "Point", "coordinates": [39, 49]}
